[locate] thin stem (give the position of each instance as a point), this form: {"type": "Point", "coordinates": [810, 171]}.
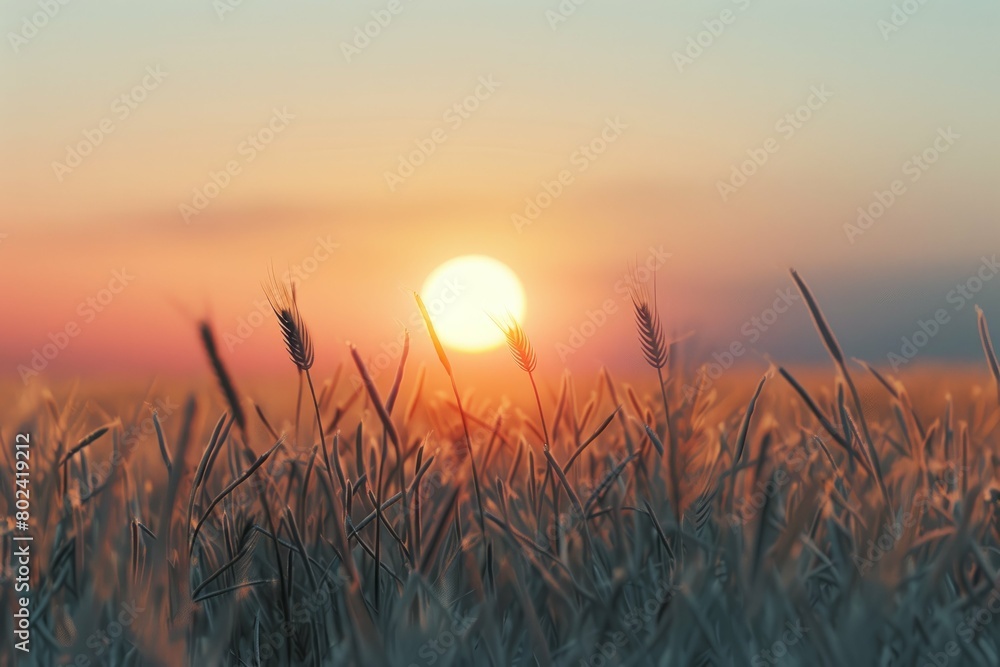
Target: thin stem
{"type": "Point", "coordinates": [672, 445]}
{"type": "Point", "coordinates": [472, 457]}
{"type": "Point", "coordinates": [538, 402]}
{"type": "Point", "coordinates": [319, 418]}
{"type": "Point", "coordinates": [341, 532]}
{"type": "Point", "coordinates": [298, 407]}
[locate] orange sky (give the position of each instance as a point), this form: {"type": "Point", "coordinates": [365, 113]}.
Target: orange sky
{"type": "Point", "coordinates": [500, 104]}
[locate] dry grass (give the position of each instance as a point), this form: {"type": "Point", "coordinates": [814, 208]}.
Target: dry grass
{"type": "Point", "coordinates": [862, 514]}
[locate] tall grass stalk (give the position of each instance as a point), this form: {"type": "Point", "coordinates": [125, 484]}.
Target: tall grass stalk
{"type": "Point", "coordinates": [655, 351]}
{"type": "Point", "coordinates": [443, 358]}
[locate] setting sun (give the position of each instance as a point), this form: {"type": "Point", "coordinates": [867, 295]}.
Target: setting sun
{"type": "Point", "coordinates": [462, 293]}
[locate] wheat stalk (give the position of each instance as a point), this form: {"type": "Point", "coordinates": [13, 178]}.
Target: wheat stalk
{"type": "Point", "coordinates": [222, 375]}
{"type": "Point", "coordinates": [833, 347]}
{"type": "Point", "coordinates": [283, 302]}
{"type": "Point", "coordinates": [458, 400]}
{"type": "Point", "coordinates": [647, 320]}
{"type": "Point", "coordinates": [524, 356]}
{"type": "Point", "coordinates": [282, 297]}
{"type": "Point", "coordinates": [655, 350]}
{"type": "Point", "coordinates": [517, 342]}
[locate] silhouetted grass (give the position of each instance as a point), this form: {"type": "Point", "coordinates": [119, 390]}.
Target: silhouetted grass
{"type": "Point", "coordinates": [868, 522]}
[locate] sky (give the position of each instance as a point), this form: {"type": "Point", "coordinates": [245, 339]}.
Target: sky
{"type": "Point", "coordinates": [159, 157]}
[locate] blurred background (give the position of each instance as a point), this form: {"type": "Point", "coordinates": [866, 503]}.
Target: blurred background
{"type": "Point", "coordinates": [158, 157]}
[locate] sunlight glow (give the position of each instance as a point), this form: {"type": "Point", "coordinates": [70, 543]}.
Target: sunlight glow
{"type": "Point", "coordinates": [462, 293]}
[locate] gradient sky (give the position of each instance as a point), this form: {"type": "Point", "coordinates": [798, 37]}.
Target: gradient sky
{"type": "Point", "coordinates": [656, 186]}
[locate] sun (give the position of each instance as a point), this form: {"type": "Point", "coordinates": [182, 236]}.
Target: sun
{"type": "Point", "coordinates": [463, 293]}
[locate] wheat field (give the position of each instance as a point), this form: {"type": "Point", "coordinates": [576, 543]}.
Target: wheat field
{"type": "Point", "coordinates": [656, 519]}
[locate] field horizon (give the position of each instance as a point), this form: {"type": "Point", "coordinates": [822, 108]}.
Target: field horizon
{"type": "Point", "coordinates": [577, 520]}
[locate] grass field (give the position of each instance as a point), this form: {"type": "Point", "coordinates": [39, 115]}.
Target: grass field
{"type": "Point", "coordinates": [652, 519]}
